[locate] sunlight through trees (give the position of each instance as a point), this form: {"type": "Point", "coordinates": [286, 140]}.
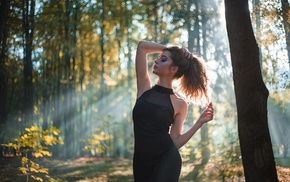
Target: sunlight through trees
{"type": "Point", "coordinates": [69, 65]}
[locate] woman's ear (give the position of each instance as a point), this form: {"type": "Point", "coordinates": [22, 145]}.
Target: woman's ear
{"type": "Point", "coordinates": [174, 69]}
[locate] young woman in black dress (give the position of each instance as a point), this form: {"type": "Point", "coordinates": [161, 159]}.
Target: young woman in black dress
{"type": "Point", "coordinates": [158, 114]}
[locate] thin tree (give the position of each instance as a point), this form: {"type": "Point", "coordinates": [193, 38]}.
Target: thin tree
{"type": "Point", "coordinates": [69, 89]}
{"type": "Point", "coordinates": [251, 94]}
{"type": "Point", "coordinates": [102, 46]}
{"type": "Point", "coordinates": [286, 23]}
{"type": "Point", "coordinates": [128, 23]}
{"type": "Point", "coordinates": [28, 29]}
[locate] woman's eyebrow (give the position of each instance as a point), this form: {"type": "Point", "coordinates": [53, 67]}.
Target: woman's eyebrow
{"type": "Point", "coordinates": [162, 55]}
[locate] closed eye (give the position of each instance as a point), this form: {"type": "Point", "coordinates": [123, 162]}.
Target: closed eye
{"type": "Point", "coordinates": [163, 58]}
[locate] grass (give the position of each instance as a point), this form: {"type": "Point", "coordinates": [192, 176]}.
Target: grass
{"type": "Point", "coordinates": [283, 162]}
{"type": "Point", "coordinates": [89, 169]}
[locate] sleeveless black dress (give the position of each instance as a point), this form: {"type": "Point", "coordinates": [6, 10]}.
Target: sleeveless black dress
{"type": "Point", "coordinates": [156, 158]}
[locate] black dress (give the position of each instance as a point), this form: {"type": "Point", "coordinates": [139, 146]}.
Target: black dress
{"type": "Point", "coordinates": [156, 158]}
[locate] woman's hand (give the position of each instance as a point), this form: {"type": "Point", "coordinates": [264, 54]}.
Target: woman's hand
{"type": "Point", "coordinates": [207, 114]}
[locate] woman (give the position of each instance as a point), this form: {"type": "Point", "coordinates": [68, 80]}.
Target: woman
{"type": "Point", "coordinates": [159, 113]}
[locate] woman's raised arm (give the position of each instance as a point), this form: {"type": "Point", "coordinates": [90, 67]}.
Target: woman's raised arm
{"type": "Point", "coordinates": [141, 64]}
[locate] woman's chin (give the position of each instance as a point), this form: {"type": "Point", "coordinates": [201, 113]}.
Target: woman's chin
{"type": "Point", "coordinates": [155, 72]}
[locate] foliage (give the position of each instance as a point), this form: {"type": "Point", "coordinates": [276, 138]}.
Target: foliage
{"type": "Point", "coordinates": [97, 144]}
{"type": "Point", "coordinates": [35, 141]}
{"type": "Point", "coordinates": [100, 143]}
{"type": "Point", "coordinates": [283, 162]}
{"type": "Point", "coordinates": [271, 33]}
{"type": "Point", "coordinates": [38, 140]}
{"type": "Point", "coordinates": [30, 168]}
{"type": "Point", "coordinates": [82, 66]}
{"type": "Point", "coordinates": [228, 157]}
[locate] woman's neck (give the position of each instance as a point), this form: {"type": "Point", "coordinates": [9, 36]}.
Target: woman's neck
{"type": "Point", "coordinates": [164, 83]}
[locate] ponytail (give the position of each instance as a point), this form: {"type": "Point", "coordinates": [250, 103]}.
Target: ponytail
{"type": "Point", "coordinates": [192, 75]}
{"type": "Point", "coordinates": [194, 82]}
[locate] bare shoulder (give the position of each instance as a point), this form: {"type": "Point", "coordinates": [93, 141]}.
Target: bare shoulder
{"type": "Point", "coordinates": [179, 105]}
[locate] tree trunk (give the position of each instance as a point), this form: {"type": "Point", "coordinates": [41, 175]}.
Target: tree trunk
{"type": "Point", "coordinates": [190, 28]}
{"type": "Point", "coordinates": [156, 21]}
{"type": "Point", "coordinates": [128, 119]}
{"type": "Point", "coordinates": [45, 94]}
{"type": "Point", "coordinates": [83, 120]}
{"type": "Point", "coordinates": [204, 130]}
{"type": "Point", "coordinates": [251, 95]}
{"type": "Point", "coordinates": [68, 90]}
{"type": "Point", "coordinates": [196, 28]}
{"type": "Point", "coordinates": [4, 12]}
{"type": "Point", "coordinates": [102, 46]}
{"type": "Point", "coordinates": [286, 23]}
{"type": "Point", "coordinates": [28, 27]}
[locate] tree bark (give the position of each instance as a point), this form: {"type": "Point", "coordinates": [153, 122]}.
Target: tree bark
{"type": "Point", "coordinates": [28, 28]}
{"type": "Point", "coordinates": [251, 95]}
{"type": "Point", "coordinates": [4, 12]}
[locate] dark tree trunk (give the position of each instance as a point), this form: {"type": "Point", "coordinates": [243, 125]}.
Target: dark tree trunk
{"type": "Point", "coordinates": [251, 95]}
{"type": "Point", "coordinates": [28, 27]}
{"type": "Point", "coordinates": [4, 13]}
{"type": "Point", "coordinates": [102, 46]}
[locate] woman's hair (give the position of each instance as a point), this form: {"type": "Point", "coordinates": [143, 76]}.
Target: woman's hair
{"type": "Point", "coordinates": [192, 74]}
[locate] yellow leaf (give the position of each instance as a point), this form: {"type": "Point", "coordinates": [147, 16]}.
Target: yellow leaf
{"type": "Point", "coordinates": [37, 154]}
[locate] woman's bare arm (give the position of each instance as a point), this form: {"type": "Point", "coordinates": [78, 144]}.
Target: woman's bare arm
{"type": "Point", "coordinates": [141, 64]}
{"type": "Point", "coordinates": [180, 139]}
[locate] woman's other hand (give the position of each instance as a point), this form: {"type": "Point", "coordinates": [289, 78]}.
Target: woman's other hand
{"type": "Point", "coordinates": [206, 115]}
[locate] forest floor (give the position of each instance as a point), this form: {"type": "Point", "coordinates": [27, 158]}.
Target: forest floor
{"type": "Point", "coordinates": [89, 169]}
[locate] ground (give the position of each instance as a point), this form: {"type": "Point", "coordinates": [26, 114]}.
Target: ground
{"type": "Point", "coordinates": [91, 169]}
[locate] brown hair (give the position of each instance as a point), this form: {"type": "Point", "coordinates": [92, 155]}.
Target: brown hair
{"type": "Point", "coordinates": [192, 74]}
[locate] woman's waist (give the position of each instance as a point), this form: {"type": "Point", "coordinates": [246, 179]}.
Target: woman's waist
{"type": "Point", "coordinates": [153, 146]}
{"type": "Point", "coordinates": [160, 141]}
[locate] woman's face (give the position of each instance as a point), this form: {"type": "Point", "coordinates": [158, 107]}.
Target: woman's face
{"type": "Point", "coordinates": [163, 64]}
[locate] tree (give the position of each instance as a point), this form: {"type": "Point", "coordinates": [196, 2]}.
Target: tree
{"type": "Point", "coordinates": [251, 94]}
{"type": "Point", "coordinates": [286, 23]}
{"type": "Point", "coordinates": [28, 29]}
{"type": "Point", "coordinates": [69, 90]}
{"type": "Point", "coordinates": [4, 12]}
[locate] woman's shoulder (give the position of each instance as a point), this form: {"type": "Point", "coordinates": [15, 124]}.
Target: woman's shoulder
{"type": "Point", "coordinates": [178, 103]}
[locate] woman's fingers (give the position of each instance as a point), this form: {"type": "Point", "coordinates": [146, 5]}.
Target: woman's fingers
{"type": "Point", "coordinates": [210, 110]}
